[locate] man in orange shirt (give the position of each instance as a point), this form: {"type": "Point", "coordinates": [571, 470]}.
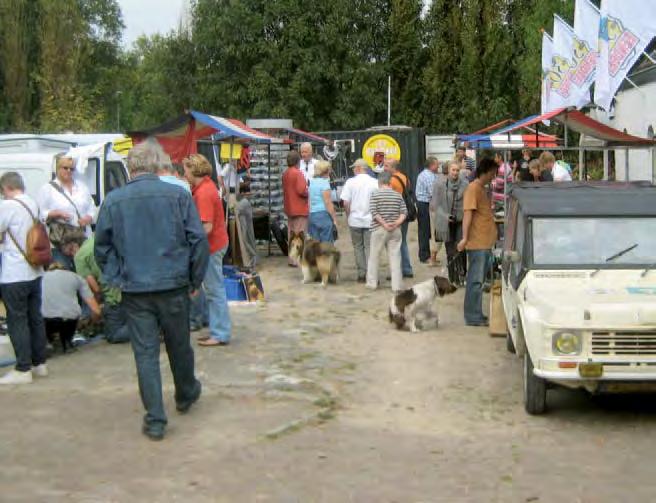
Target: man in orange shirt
{"type": "Point", "coordinates": [210, 210]}
{"type": "Point", "coordinates": [295, 192]}
{"type": "Point", "coordinates": [479, 234]}
{"type": "Point", "coordinates": [400, 183]}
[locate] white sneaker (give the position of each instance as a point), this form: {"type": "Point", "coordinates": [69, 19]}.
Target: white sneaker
{"type": "Point", "coordinates": [16, 377]}
{"type": "Point", "coordinates": [40, 370]}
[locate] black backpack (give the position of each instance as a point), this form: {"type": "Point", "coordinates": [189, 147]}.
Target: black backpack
{"type": "Point", "coordinates": [409, 199]}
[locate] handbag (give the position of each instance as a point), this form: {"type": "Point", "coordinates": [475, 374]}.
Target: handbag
{"type": "Point", "coordinates": [60, 231]}
{"type": "Point", "coordinates": [409, 199]}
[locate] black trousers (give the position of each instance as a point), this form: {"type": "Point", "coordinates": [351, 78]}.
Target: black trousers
{"type": "Point", "coordinates": [24, 322]}
{"type": "Point", "coordinates": [146, 314]}
{"type": "Point", "coordinates": [64, 328]}
{"type": "Point", "coordinates": [423, 223]}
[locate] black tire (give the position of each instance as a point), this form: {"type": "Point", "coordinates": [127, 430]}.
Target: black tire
{"type": "Point", "coordinates": [535, 389]}
{"type": "Point", "coordinates": [279, 232]}
{"type": "Point", "coordinates": [510, 345]}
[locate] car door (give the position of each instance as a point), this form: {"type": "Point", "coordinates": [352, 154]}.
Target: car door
{"type": "Point", "coordinates": [510, 269]}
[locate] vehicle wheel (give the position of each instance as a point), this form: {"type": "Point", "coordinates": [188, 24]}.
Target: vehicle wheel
{"type": "Point", "coordinates": [535, 389]}
{"type": "Point", "coordinates": [510, 345]}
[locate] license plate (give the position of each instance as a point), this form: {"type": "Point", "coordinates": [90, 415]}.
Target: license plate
{"type": "Point", "coordinates": [591, 370]}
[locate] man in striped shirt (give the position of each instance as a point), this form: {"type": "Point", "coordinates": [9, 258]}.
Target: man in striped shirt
{"type": "Point", "coordinates": [424, 193]}
{"type": "Point", "coordinates": [388, 212]}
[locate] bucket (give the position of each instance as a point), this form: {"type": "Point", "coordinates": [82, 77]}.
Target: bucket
{"type": "Point", "coordinates": [233, 283]}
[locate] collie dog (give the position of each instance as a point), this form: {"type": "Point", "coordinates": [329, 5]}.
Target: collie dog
{"type": "Point", "coordinates": [405, 305]}
{"type": "Point", "coordinates": [320, 261]}
{"type": "Point", "coordinates": [295, 249]}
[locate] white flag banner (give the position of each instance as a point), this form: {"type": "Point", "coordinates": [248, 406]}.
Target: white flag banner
{"type": "Point", "coordinates": [560, 73]}
{"type": "Point", "coordinates": [547, 54]}
{"type": "Point", "coordinates": [625, 29]}
{"type": "Point", "coordinates": [586, 35]}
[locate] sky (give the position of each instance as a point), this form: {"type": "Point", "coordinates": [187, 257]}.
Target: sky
{"type": "Point", "coordinates": [149, 16]}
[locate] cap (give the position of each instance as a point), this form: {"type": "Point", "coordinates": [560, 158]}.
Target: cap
{"type": "Point", "coordinates": [360, 163]}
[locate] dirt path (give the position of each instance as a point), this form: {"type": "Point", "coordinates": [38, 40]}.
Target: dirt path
{"type": "Point", "coordinates": [319, 399]}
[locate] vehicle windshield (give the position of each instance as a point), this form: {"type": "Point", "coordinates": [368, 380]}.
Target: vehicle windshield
{"type": "Point", "coordinates": [598, 242]}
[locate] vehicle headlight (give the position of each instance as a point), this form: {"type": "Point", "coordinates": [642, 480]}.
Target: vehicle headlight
{"type": "Point", "coordinates": [566, 343]}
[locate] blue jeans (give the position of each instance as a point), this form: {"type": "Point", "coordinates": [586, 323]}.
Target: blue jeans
{"type": "Point", "coordinates": [478, 263]}
{"type": "Point", "coordinates": [220, 324]}
{"type": "Point", "coordinates": [320, 226]}
{"type": "Point", "coordinates": [199, 315]}
{"type": "Point", "coordinates": [406, 265]}
{"type": "Point", "coordinates": [147, 314]}
{"type": "Point", "coordinates": [116, 324]}
{"type": "Point", "coordinates": [26, 327]}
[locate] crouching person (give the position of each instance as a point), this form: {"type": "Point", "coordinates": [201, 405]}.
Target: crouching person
{"type": "Point", "coordinates": [151, 244]}
{"type": "Point", "coordinates": [113, 315]}
{"type": "Point", "coordinates": [60, 307]}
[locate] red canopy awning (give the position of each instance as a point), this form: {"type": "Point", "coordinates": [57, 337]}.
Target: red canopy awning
{"type": "Point", "coordinates": [579, 122]}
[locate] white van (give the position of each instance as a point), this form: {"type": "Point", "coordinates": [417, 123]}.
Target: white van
{"type": "Point", "coordinates": [33, 157]}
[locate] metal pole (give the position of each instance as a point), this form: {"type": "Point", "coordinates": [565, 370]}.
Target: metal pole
{"type": "Point", "coordinates": [626, 164]}
{"type": "Point", "coordinates": [389, 100]}
{"type": "Point", "coordinates": [606, 165]}
{"type": "Point", "coordinates": [269, 187]}
{"type": "Point", "coordinates": [582, 165]}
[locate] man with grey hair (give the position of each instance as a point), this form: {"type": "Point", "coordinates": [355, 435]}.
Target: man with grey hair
{"type": "Point", "coordinates": [356, 195]}
{"type": "Point", "coordinates": [20, 283]}
{"type": "Point", "coordinates": [151, 244]}
{"type": "Point", "coordinates": [308, 163]}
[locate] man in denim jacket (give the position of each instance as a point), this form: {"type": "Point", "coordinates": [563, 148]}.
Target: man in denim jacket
{"type": "Point", "coordinates": [150, 243]}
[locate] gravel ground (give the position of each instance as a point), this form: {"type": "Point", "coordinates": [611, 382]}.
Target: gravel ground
{"type": "Point", "coordinates": [319, 399]}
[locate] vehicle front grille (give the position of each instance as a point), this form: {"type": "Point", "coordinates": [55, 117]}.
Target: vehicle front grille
{"type": "Point", "coordinates": [624, 343]}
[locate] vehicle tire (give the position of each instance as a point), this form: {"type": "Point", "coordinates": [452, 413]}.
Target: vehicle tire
{"type": "Point", "coordinates": [510, 345]}
{"type": "Point", "coordinates": [535, 389]}
{"type": "Point", "coordinates": [279, 232]}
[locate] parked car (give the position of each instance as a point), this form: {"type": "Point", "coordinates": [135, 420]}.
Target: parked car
{"type": "Point", "coordinates": [579, 286]}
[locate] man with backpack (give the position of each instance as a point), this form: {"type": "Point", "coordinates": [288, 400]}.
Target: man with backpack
{"type": "Point", "coordinates": [25, 250]}
{"type": "Point", "coordinates": [401, 184]}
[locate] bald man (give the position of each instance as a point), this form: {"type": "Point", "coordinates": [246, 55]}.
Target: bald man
{"type": "Point", "coordinates": [307, 162]}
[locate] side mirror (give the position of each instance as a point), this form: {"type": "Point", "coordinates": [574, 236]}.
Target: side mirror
{"type": "Point", "coordinates": [512, 256]}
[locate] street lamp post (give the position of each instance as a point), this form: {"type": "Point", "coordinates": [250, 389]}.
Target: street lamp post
{"type": "Point", "coordinates": [118, 110]}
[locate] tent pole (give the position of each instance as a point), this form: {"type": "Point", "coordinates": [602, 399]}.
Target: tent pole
{"type": "Point", "coordinates": [566, 139]}
{"type": "Point", "coordinates": [583, 175]}
{"type": "Point", "coordinates": [606, 163]}
{"type": "Point", "coordinates": [269, 190]}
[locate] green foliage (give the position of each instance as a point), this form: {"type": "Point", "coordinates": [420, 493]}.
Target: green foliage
{"type": "Point", "coordinates": [458, 67]}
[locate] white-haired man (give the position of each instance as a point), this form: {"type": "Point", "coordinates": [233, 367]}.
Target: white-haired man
{"type": "Point", "coordinates": [150, 242]}
{"type": "Point", "coordinates": [307, 162]}
{"type": "Point", "coordinates": [356, 195]}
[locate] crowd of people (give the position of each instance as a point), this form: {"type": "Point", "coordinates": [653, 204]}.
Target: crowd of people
{"type": "Point", "coordinates": [153, 270]}
{"type": "Point", "coordinates": [454, 205]}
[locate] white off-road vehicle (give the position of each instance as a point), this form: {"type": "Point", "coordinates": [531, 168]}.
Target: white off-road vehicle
{"type": "Point", "coordinates": [579, 286]}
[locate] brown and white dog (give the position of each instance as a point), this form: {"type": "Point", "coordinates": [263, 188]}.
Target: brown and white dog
{"type": "Point", "coordinates": [319, 261]}
{"type": "Point", "coordinates": [405, 305]}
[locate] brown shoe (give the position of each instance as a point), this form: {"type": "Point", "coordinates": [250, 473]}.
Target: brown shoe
{"type": "Point", "coordinates": [212, 342]}
{"type": "Point", "coordinates": [203, 337]}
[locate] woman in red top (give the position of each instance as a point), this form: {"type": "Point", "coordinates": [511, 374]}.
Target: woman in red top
{"type": "Point", "coordinates": [295, 191]}
{"type": "Point", "coordinates": [210, 210]}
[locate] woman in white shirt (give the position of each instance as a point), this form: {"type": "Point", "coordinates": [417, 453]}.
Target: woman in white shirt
{"type": "Point", "coordinates": [66, 200]}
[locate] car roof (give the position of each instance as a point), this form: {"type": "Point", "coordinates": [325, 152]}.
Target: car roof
{"type": "Point", "coordinates": [585, 199]}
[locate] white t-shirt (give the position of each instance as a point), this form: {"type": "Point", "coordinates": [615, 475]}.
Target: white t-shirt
{"type": "Point", "coordinates": [357, 191]}
{"type": "Point", "coordinates": [560, 173]}
{"type": "Point", "coordinates": [231, 180]}
{"type": "Point", "coordinates": [15, 218]}
{"type": "Point", "coordinates": [50, 199]}
{"type": "Point", "coordinates": [307, 168]}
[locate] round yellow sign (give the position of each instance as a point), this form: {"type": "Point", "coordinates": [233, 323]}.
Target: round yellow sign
{"type": "Point", "coordinates": [378, 146]}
